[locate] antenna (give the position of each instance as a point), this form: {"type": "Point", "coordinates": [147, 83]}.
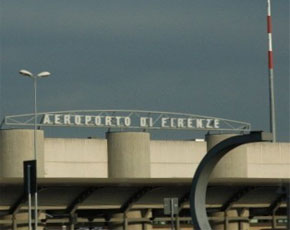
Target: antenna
{"type": "Point", "coordinates": [271, 72]}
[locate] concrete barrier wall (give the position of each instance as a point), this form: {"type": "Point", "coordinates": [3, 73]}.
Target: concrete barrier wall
{"type": "Point", "coordinates": [175, 158]}
{"type": "Point", "coordinates": [67, 157]}
{"type": "Point", "coordinates": [64, 157]}
{"type": "Point", "coordinates": [255, 160]}
{"type": "Point", "coordinates": [270, 160]}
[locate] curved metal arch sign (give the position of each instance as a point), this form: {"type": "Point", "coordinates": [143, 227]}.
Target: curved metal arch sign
{"type": "Point", "coordinates": [129, 119]}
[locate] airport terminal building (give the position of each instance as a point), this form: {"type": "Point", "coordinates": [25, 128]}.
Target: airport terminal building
{"type": "Point", "coordinates": [121, 181]}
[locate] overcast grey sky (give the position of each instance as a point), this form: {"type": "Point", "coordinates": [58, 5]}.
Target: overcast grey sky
{"type": "Point", "coordinates": [203, 57]}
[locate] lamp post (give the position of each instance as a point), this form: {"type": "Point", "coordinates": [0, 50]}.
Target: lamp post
{"type": "Point", "coordinates": [34, 77]}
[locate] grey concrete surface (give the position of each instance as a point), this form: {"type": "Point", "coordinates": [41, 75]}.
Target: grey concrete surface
{"type": "Point", "coordinates": [16, 146]}
{"type": "Point", "coordinates": [128, 154]}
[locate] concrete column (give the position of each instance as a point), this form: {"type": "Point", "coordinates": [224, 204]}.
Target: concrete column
{"type": "Point", "coordinates": [128, 154]}
{"type": "Point", "coordinates": [16, 146]}
{"type": "Point", "coordinates": [244, 225]}
{"type": "Point", "coordinates": [125, 224]}
{"type": "Point", "coordinates": [148, 214]}
{"type": "Point", "coordinates": [73, 220]}
{"type": "Point", "coordinates": [224, 224]}
{"type": "Point", "coordinates": [14, 223]}
{"type": "Point", "coordinates": [117, 225]}
{"type": "Point", "coordinates": [274, 220]}
{"type": "Point", "coordinates": [227, 223]}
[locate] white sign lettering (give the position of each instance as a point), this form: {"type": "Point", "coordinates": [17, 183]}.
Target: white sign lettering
{"type": "Point", "coordinates": [78, 119]}
{"type": "Point", "coordinates": [46, 119]}
{"type": "Point", "coordinates": [127, 121]}
{"type": "Point", "coordinates": [164, 121]}
{"type": "Point", "coordinates": [66, 119]}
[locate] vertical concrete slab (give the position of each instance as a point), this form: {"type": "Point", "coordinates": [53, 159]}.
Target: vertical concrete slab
{"type": "Point", "coordinates": [128, 154]}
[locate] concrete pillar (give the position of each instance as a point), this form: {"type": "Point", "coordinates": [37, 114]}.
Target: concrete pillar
{"type": "Point", "coordinates": [147, 214]}
{"type": "Point", "coordinates": [274, 220]}
{"type": "Point", "coordinates": [73, 221]}
{"type": "Point", "coordinates": [244, 225]}
{"type": "Point", "coordinates": [128, 154]}
{"type": "Point", "coordinates": [227, 223]}
{"type": "Point", "coordinates": [125, 224]}
{"type": "Point", "coordinates": [16, 146]}
{"type": "Point", "coordinates": [213, 139]}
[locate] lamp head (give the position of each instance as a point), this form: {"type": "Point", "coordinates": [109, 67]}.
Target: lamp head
{"type": "Point", "coordinates": [26, 73]}
{"type": "Point", "coordinates": [44, 74]}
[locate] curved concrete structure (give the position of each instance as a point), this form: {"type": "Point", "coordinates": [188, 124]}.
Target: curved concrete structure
{"type": "Point", "coordinates": [230, 165]}
{"type": "Point", "coordinates": [203, 172]}
{"type": "Point", "coordinates": [214, 139]}
{"type": "Point", "coordinates": [128, 154]}
{"type": "Point", "coordinates": [16, 146]}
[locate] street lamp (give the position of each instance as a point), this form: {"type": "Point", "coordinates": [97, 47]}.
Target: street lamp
{"type": "Point", "coordinates": [27, 73]}
{"type": "Point", "coordinates": [34, 77]}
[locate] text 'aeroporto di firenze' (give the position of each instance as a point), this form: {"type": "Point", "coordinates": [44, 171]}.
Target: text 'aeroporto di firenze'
{"type": "Point", "coordinates": [127, 121]}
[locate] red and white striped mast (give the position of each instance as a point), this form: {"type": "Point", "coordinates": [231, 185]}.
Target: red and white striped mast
{"type": "Point", "coordinates": [271, 72]}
